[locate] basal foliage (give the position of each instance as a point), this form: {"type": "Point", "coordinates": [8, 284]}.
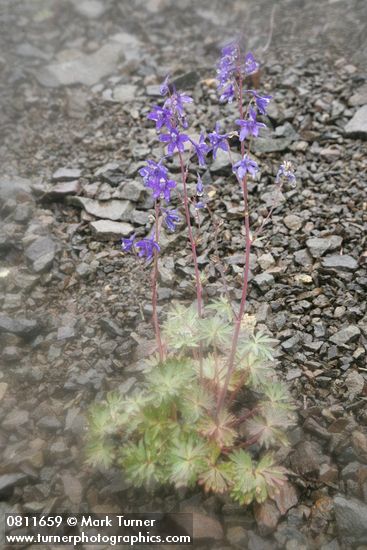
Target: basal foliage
{"type": "Point", "coordinates": [171, 432]}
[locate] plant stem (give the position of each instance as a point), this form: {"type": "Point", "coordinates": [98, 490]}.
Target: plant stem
{"type": "Point", "coordinates": [155, 288]}
{"type": "Point", "coordinates": [191, 238]}
{"type": "Point", "coordinates": [248, 242]}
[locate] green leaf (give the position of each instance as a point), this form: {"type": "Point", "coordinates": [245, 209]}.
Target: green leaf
{"type": "Point", "coordinates": [214, 331]}
{"type": "Point", "coordinates": [187, 459]}
{"type": "Point", "coordinates": [181, 328]}
{"type": "Point", "coordinates": [268, 429]}
{"type": "Point", "coordinates": [168, 380]}
{"type": "Point", "coordinates": [258, 346]}
{"type": "Point", "coordinates": [215, 370]}
{"type": "Point", "coordinates": [141, 462]}
{"type": "Point", "coordinates": [195, 403]}
{"type": "Point", "coordinates": [242, 474]}
{"type": "Point", "coordinates": [223, 308]}
{"type": "Point", "coordinates": [100, 453]}
{"type": "Point", "coordinates": [216, 478]}
{"type": "Point", "coordinates": [219, 429]}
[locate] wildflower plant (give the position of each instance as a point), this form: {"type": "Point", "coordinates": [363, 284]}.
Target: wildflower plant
{"type": "Point", "coordinates": [210, 411]}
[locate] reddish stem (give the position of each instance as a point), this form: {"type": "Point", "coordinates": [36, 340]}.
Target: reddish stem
{"type": "Point", "coordinates": [191, 237]}
{"type": "Point", "coordinates": [155, 288]}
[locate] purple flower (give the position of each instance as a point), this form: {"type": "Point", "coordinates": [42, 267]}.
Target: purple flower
{"type": "Point", "coordinates": [174, 140]}
{"type": "Point", "coordinates": [262, 102]}
{"type": "Point", "coordinates": [286, 171]}
{"type": "Point", "coordinates": [244, 166]}
{"type": "Point", "coordinates": [228, 94]}
{"type": "Point", "coordinates": [156, 178]}
{"type": "Point", "coordinates": [128, 244]}
{"type": "Point", "coordinates": [201, 149]}
{"type": "Point", "coordinates": [161, 116]}
{"type": "Point", "coordinates": [170, 218]}
{"type": "Point", "coordinates": [200, 204]}
{"type": "Point", "coordinates": [199, 187]}
{"type": "Point", "coordinates": [176, 103]}
{"type": "Point", "coordinates": [147, 247]}
{"type": "Point", "coordinates": [249, 127]}
{"type": "Point", "coordinates": [218, 141]}
{"type": "Point", "coordinates": [250, 66]}
{"type": "Point", "coordinates": [164, 88]}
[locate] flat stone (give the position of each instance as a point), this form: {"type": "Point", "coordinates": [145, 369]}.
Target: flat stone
{"type": "Point", "coordinates": [359, 97]}
{"type": "Point", "coordinates": [64, 333]}
{"type": "Point", "coordinates": [20, 326]}
{"type": "Point", "coordinates": [264, 281]}
{"type": "Point", "coordinates": [66, 174]}
{"type": "Point", "coordinates": [222, 162]}
{"type": "Point", "coordinates": [351, 520]}
{"type": "Point", "coordinates": [9, 481]}
{"type": "Point", "coordinates": [41, 253]}
{"type": "Point", "coordinates": [293, 222]}
{"type": "Point", "coordinates": [62, 189]}
{"type": "Point", "coordinates": [132, 191]}
{"type": "Point", "coordinates": [124, 93]}
{"type": "Point", "coordinates": [11, 186]}
{"type": "Point", "coordinates": [89, 8]}
{"type": "Point", "coordinates": [107, 230]}
{"type": "Point", "coordinates": [338, 261]}
{"type": "Point", "coordinates": [319, 245]}
{"type": "Point", "coordinates": [80, 68]}
{"type": "Point", "coordinates": [15, 418]}
{"type": "Point", "coordinates": [267, 517]}
{"type": "Point", "coordinates": [270, 145]}
{"type": "Point", "coordinates": [115, 210]}
{"type": "Point", "coordinates": [357, 126]}
{"type": "Point", "coordinates": [345, 335]}
{"type": "Point", "coordinates": [286, 497]}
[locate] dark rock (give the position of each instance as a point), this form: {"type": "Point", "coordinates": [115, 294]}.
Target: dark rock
{"type": "Point", "coordinates": [357, 126]}
{"type": "Point", "coordinates": [9, 481]}
{"type": "Point", "coordinates": [21, 327]}
{"type": "Point", "coordinates": [111, 327]}
{"type": "Point", "coordinates": [286, 497]}
{"type": "Point", "coordinates": [351, 520]}
{"type": "Point", "coordinates": [342, 262]}
{"type": "Point", "coordinates": [66, 174]}
{"type": "Point", "coordinates": [267, 517]}
{"type": "Point", "coordinates": [319, 245]}
{"type": "Point", "coordinates": [264, 281]}
{"type": "Point", "coordinates": [41, 253]}
{"type": "Point", "coordinates": [345, 335]}
{"type": "Point", "coordinates": [237, 537]}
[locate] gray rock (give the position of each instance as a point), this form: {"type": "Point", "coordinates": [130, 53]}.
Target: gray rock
{"type": "Point", "coordinates": [302, 257]}
{"type": "Point", "coordinates": [132, 191]}
{"type": "Point", "coordinates": [351, 520]}
{"type": "Point", "coordinates": [222, 162]}
{"type": "Point", "coordinates": [237, 536]}
{"type": "Point", "coordinates": [345, 335]}
{"type": "Point", "coordinates": [9, 481]}
{"type": "Point", "coordinates": [264, 281]}
{"type": "Point", "coordinates": [89, 8]}
{"type": "Point", "coordinates": [66, 174]}
{"type": "Point", "coordinates": [15, 418]}
{"type": "Point", "coordinates": [107, 230]}
{"type": "Point", "coordinates": [125, 93]}
{"type": "Point", "coordinates": [357, 126]}
{"type": "Point", "coordinates": [80, 68]}
{"type": "Point", "coordinates": [41, 253]}
{"type": "Point", "coordinates": [319, 245]}
{"type": "Point", "coordinates": [49, 423]}
{"type": "Point", "coordinates": [11, 186]}
{"type": "Point", "coordinates": [111, 327]}
{"type": "Point", "coordinates": [342, 262]}
{"type": "Point", "coordinates": [293, 222]}
{"type": "Point", "coordinates": [64, 333]}
{"type": "Point", "coordinates": [20, 327]}
{"type": "Point", "coordinates": [270, 145]}
{"type": "Point", "coordinates": [359, 97]}
{"type": "Point", "coordinates": [61, 190]}
{"type": "Point", "coordinates": [115, 210]}
{"type": "Point", "coordinates": [84, 270]}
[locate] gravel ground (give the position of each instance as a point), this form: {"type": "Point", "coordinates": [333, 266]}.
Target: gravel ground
{"type": "Point", "coordinates": [78, 78]}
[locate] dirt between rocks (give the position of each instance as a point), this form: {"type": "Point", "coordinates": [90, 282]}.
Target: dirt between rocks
{"type": "Point", "coordinates": [78, 79]}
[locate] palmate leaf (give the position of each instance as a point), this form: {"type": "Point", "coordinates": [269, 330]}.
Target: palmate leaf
{"type": "Point", "coordinates": [100, 424]}
{"type": "Point", "coordinates": [258, 345]}
{"type": "Point", "coordinates": [216, 478]}
{"type": "Point", "coordinates": [169, 379]}
{"type": "Point", "coordinates": [214, 331]}
{"type": "Point", "coordinates": [242, 475]}
{"type": "Point", "coordinates": [223, 309]}
{"type": "Point", "coordinates": [100, 453]}
{"type": "Point", "coordinates": [157, 426]}
{"type": "Point", "coordinates": [195, 403]}
{"type": "Point", "coordinates": [181, 327]}
{"type": "Point", "coordinates": [141, 462]}
{"type": "Point", "coordinates": [219, 429]}
{"type": "Point", "coordinates": [215, 371]}
{"type": "Point", "coordinates": [259, 372]}
{"type": "Point", "coordinates": [187, 458]}
{"type": "Point", "coordinates": [278, 396]}
{"type": "Point", "coordinates": [268, 429]}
